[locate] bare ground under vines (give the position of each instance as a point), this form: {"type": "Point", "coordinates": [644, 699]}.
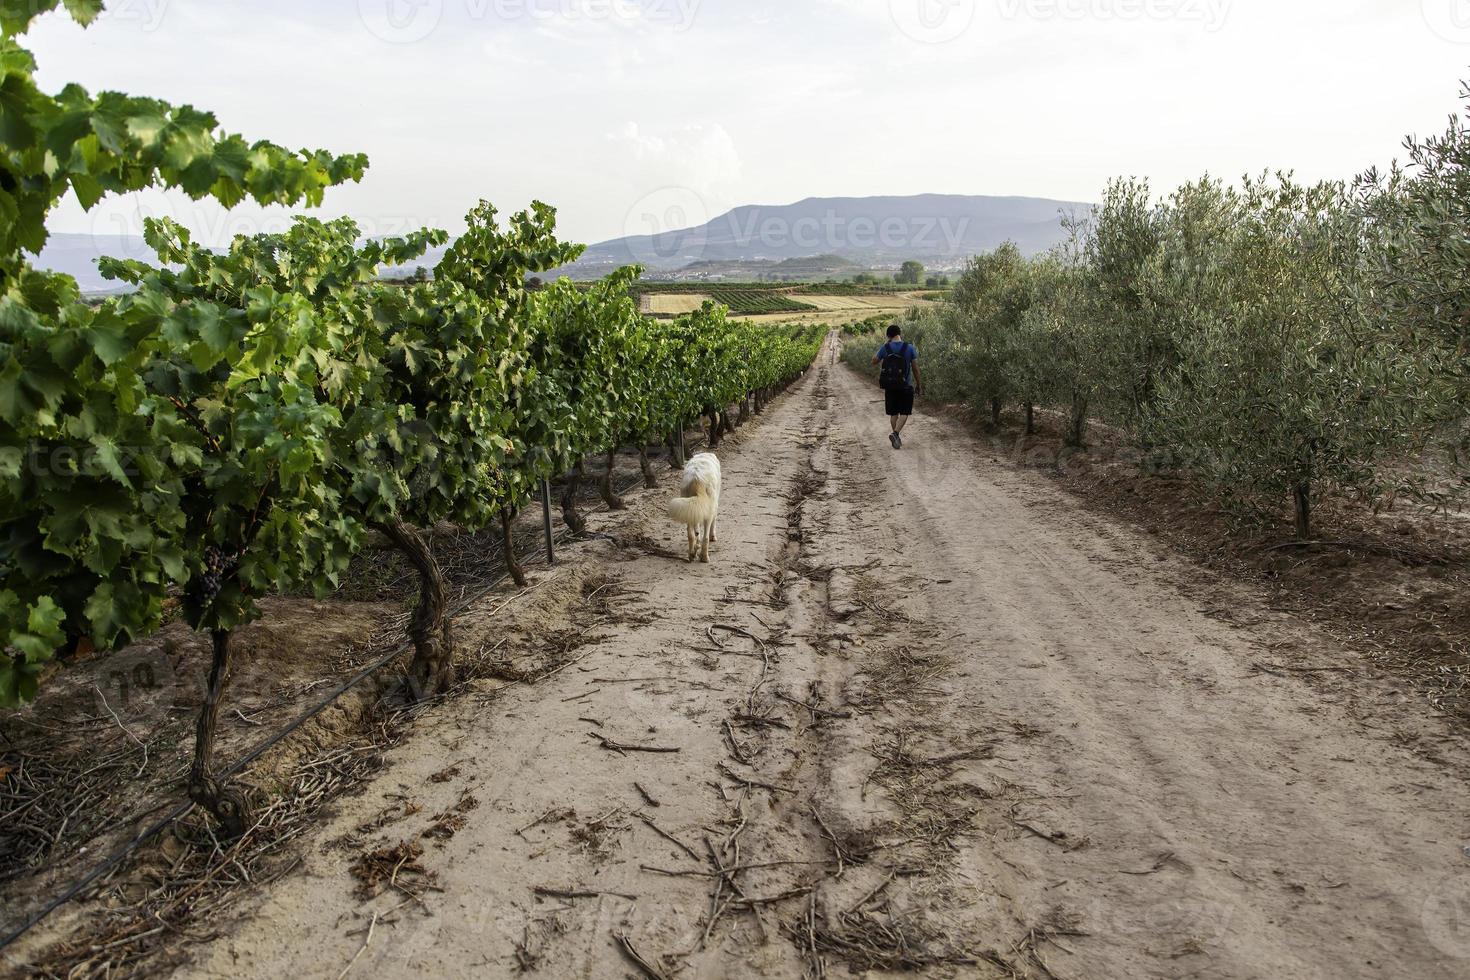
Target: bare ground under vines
{"type": "Point", "coordinates": [923, 714]}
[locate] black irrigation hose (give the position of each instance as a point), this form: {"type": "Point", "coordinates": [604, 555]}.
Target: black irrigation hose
{"type": "Point", "coordinates": [184, 806]}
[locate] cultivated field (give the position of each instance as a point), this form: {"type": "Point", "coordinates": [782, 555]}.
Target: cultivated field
{"type": "Point", "coordinates": [872, 304]}
{"type": "Point", "coordinates": [840, 310]}
{"type": "Point", "coordinates": [671, 303]}
{"type": "Point", "coordinates": [781, 302]}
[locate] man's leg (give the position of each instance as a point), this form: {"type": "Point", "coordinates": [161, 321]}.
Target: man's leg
{"type": "Point", "coordinates": [905, 408]}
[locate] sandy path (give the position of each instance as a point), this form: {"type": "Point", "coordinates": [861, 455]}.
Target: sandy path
{"type": "Point", "coordinates": [930, 715]}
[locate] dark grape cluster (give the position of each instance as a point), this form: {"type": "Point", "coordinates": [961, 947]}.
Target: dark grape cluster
{"type": "Point", "coordinates": [208, 583]}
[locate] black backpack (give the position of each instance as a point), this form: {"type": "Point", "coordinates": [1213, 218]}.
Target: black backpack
{"type": "Point", "coordinates": [893, 368]}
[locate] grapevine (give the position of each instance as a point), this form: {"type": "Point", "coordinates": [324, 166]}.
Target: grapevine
{"type": "Point", "coordinates": [234, 426]}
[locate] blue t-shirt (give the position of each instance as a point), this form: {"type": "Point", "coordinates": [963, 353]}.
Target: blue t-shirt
{"type": "Point", "coordinates": [910, 355]}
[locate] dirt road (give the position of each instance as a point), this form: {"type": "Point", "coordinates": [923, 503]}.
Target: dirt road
{"type": "Point", "coordinates": [920, 713]}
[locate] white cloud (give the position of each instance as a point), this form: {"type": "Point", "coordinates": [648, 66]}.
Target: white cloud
{"type": "Point", "coordinates": [773, 100]}
{"type": "Point", "coordinates": [698, 155]}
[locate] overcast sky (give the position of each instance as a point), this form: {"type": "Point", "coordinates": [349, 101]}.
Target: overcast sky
{"type": "Point", "coordinates": [615, 110]}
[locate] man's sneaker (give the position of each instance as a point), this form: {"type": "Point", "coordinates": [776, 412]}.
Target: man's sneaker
{"type": "Point", "coordinates": [893, 438]}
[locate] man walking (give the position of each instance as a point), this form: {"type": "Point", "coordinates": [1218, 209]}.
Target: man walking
{"type": "Point", "coordinates": [899, 376]}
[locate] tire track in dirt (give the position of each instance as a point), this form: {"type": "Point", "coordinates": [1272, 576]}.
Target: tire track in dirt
{"type": "Point", "coordinates": [1153, 806]}
{"type": "Point", "coordinates": [919, 715]}
{"type": "Point", "coordinates": [584, 848]}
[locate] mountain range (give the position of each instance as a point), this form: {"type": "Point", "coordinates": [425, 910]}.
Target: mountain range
{"type": "Point", "coordinates": [77, 255]}
{"type": "Point", "coordinates": [940, 230]}
{"type": "Point", "coordinates": [819, 237]}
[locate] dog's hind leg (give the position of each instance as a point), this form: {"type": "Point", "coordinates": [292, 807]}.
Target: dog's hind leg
{"type": "Point", "coordinates": [704, 542]}
{"type": "Point", "coordinates": [714, 530]}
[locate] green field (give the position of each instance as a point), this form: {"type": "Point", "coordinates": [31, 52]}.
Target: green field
{"type": "Point", "coordinates": [742, 298]}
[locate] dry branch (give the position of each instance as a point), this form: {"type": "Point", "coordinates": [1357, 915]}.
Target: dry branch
{"type": "Point", "coordinates": [625, 943]}
{"type": "Point", "coordinates": [613, 746]}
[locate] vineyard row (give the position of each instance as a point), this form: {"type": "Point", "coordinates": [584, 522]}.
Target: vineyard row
{"type": "Point", "coordinates": [239, 423]}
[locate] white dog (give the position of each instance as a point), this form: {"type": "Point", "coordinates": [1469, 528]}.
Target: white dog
{"type": "Point", "coordinates": [698, 504]}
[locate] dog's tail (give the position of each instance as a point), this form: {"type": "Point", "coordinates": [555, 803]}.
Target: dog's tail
{"type": "Point", "coordinates": [692, 511]}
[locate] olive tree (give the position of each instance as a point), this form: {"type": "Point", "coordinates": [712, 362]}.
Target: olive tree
{"type": "Point", "coordinates": [976, 329]}
{"type": "Point", "coordinates": [1285, 386]}
{"type": "Point", "coordinates": [1059, 349]}
{"type": "Point", "coordinates": [1419, 226]}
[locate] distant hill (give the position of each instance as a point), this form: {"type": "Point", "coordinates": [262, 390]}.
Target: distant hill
{"type": "Point", "coordinates": [77, 256]}
{"type": "Point", "coordinates": [940, 230]}
{"type": "Point", "coordinates": [819, 263]}
{"type": "Point", "coordinates": [807, 269]}
{"type": "Point", "coordinates": [818, 238]}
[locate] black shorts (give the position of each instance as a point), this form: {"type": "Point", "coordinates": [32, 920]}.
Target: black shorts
{"type": "Point", "coordinates": [899, 402]}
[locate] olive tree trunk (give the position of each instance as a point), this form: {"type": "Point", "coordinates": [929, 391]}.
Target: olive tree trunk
{"type": "Point", "coordinates": [1077, 422]}
{"type": "Point", "coordinates": [1302, 499]}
